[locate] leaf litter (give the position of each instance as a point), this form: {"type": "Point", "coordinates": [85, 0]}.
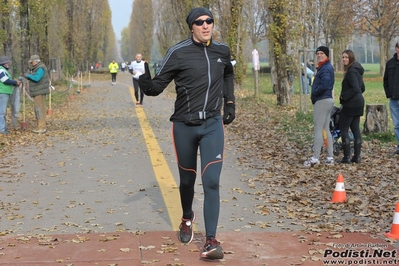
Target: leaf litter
{"type": "Point", "coordinates": [282, 186]}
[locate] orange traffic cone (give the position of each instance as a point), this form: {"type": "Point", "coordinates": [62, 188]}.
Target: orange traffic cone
{"type": "Point", "coordinates": [394, 234]}
{"type": "Point", "coordinates": [339, 193]}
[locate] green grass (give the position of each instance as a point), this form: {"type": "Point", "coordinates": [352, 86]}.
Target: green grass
{"type": "Point", "coordinates": [302, 122]}
{"type": "Point", "coordinates": [372, 68]}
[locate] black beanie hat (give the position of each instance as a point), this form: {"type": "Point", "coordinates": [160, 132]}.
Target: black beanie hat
{"type": "Point", "coordinates": [324, 49]}
{"type": "Point", "coordinates": [195, 13]}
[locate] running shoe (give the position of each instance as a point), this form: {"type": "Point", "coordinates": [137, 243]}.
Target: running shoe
{"type": "Point", "coordinates": [186, 230]}
{"type": "Point", "coordinates": [329, 161]}
{"type": "Point", "coordinates": [212, 250]}
{"type": "Point", "coordinates": [311, 162]}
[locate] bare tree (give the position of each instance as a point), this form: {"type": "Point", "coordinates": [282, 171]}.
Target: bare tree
{"type": "Point", "coordinates": [73, 30]}
{"type": "Point", "coordinates": [126, 53]}
{"type": "Point", "coordinates": [166, 31]}
{"type": "Point", "coordinates": [380, 19]}
{"type": "Point", "coordinates": [24, 35]}
{"type": "Point", "coordinates": [141, 28]}
{"type": "Point", "coordinates": [278, 37]}
{"type": "Point", "coordinates": [235, 39]}
{"type": "Point", "coordinates": [88, 34]}
{"type": "Point", "coordinates": [367, 43]}
{"type": "Point", "coordinates": [254, 19]}
{"type": "Point", "coordinates": [5, 35]}
{"type": "Point", "coordinates": [180, 9]}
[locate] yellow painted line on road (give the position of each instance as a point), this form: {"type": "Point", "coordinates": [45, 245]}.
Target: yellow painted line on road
{"type": "Point", "coordinates": [166, 182]}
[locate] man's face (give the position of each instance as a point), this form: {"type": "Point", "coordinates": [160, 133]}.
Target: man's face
{"type": "Point", "coordinates": [138, 57]}
{"type": "Point", "coordinates": [202, 33]}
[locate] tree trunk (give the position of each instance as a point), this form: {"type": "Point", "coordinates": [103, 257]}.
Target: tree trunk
{"type": "Point", "coordinates": [278, 39]}
{"type": "Point", "coordinates": [44, 47]}
{"type": "Point", "coordinates": [383, 55]}
{"type": "Point", "coordinates": [6, 26]}
{"type": "Point", "coordinates": [24, 36]}
{"type": "Point", "coordinates": [376, 119]}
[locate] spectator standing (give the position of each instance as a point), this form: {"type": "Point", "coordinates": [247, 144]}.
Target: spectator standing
{"type": "Point", "coordinates": [137, 67]}
{"type": "Point", "coordinates": [312, 67]}
{"type": "Point", "coordinates": [323, 102]}
{"type": "Point", "coordinates": [306, 78]}
{"type": "Point", "coordinates": [352, 101]}
{"type": "Point", "coordinates": [204, 79]}
{"type": "Point", "coordinates": [113, 69]}
{"type": "Point", "coordinates": [39, 84]}
{"type": "Point", "coordinates": [391, 88]}
{"type": "Point", "coordinates": [6, 89]}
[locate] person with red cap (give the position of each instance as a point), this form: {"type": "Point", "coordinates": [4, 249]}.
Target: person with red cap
{"type": "Point", "coordinates": [204, 77]}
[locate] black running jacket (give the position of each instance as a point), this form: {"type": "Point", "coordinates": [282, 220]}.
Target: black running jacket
{"type": "Point", "coordinates": [203, 75]}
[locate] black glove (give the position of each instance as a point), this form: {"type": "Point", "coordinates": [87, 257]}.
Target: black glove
{"type": "Point", "coordinates": [145, 82]}
{"type": "Point", "coordinates": [229, 113]}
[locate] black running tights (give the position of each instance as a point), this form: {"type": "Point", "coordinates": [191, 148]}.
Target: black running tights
{"type": "Point", "coordinates": [209, 138]}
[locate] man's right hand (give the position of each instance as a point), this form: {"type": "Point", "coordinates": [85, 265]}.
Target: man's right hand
{"type": "Point", "coordinates": [145, 82]}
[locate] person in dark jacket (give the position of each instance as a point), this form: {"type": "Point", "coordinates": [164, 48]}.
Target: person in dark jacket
{"type": "Point", "coordinates": [39, 84]}
{"type": "Point", "coordinates": [203, 74]}
{"type": "Point", "coordinates": [323, 102]}
{"type": "Point", "coordinates": [391, 88]}
{"type": "Point", "coordinates": [352, 101]}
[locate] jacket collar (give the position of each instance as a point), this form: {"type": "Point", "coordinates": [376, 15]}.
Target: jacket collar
{"type": "Point", "coordinates": [319, 64]}
{"type": "Point", "coordinates": [201, 43]}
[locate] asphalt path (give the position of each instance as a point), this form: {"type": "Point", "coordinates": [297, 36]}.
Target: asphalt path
{"type": "Point", "coordinates": [94, 171]}
{"type": "Point", "coordinates": [101, 188]}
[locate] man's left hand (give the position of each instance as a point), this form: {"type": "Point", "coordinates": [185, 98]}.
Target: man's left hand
{"type": "Point", "coordinates": [229, 113]}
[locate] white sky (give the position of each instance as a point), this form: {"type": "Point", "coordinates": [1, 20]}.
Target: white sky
{"type": "Point", "coordinates": [121, 11]}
